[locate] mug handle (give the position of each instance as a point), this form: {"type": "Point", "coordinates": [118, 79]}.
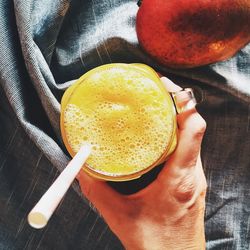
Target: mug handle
{"type": "Point", "coordinates": [184, 100]}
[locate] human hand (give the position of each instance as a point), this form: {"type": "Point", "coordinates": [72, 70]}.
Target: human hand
{"type": "Point", "coordinates": [168, 213]}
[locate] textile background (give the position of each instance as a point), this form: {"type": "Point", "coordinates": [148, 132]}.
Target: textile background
{"type": "Point", "coordinates": [46, 45]}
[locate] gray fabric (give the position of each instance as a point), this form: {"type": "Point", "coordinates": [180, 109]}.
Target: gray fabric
{"type": "Point", "coordinates": [44, 46]}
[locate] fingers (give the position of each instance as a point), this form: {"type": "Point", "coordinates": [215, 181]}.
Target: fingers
{"type": "Point", "coordinates": [169, 85]}
{"type": "Point", "coordinates": [191, 128]}
{"type": "Point", "coordinates": [100, 194]}
{"type": "Point", "coordinates": [183, 171]}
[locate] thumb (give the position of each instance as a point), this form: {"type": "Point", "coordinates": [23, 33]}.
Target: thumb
{"type": "Point", "coordinates": [191, 128]}
{"type": "Point", "coordinates": [183, 170]}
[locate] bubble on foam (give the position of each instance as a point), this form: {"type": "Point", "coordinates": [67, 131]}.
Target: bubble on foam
{"type": "Point", "coordinates": [124, 127]}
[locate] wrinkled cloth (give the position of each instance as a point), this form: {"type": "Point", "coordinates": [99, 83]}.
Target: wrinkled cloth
{"type": "Point", "coordinates": [46, 45]}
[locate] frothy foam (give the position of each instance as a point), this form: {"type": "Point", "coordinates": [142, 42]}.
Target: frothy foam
{"type": "Point", "coordinates": [124, 115]}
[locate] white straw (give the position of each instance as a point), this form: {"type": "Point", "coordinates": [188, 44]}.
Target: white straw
{"type": "Point", "coordinates": [41, 213]}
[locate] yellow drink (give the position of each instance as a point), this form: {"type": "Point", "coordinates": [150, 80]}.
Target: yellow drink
{"type": "Point", "coordinates": [124, 111]}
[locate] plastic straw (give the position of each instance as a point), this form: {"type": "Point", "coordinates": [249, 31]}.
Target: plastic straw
{"type": "Point", "coordinates": [43, 210]}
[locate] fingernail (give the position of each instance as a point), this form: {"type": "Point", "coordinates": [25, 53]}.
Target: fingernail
{"type": "Point", "coordinates": [170, 86]}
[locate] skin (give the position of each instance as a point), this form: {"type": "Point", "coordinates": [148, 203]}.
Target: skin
{"type": "Point", "coordinates": [168, 213]}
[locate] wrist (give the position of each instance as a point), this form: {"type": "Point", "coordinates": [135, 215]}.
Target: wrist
{"type": "Point", "coordinates": [198, 244]}
{"type": "Point", "coordinates": [186, 234]}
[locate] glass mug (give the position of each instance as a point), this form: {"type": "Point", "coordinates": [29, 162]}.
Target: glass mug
{"type": "Point", "coordinates": [126, 114]}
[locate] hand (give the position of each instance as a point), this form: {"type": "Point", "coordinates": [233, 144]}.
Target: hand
{"type": "Point", "coordinates": [168, 213]}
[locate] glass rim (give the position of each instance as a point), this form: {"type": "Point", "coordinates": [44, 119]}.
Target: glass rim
{"type": "Point", "coordinates": [135, 174]}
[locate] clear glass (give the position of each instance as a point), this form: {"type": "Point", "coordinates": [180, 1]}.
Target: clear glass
{"type": "Point", "coordinates": [178, 102]}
